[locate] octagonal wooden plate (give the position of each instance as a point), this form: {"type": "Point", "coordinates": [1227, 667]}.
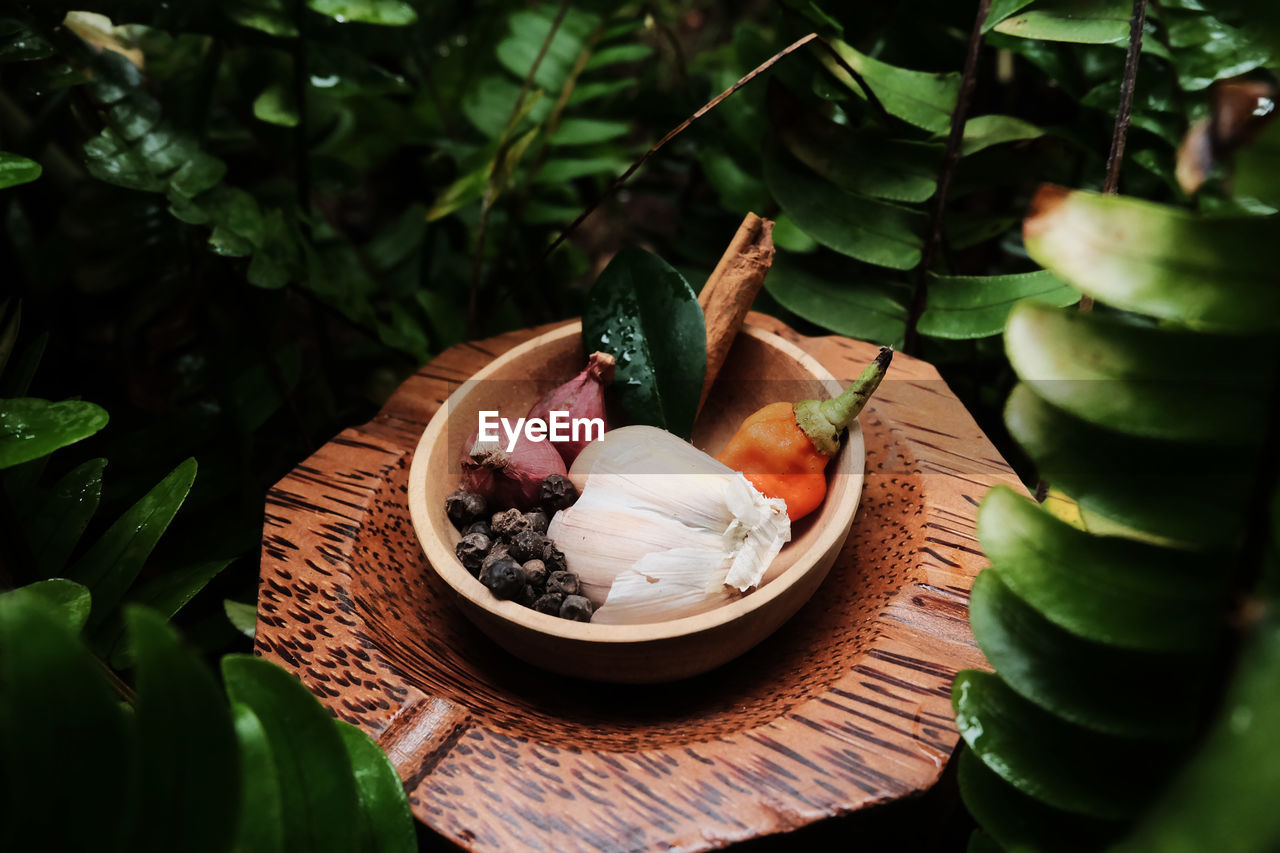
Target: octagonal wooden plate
{"type": "Point", "coordinates": [846, 706]}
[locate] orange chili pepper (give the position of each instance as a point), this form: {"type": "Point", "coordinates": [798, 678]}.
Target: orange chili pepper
{"type": "Point", "coordinates": [783, 449]}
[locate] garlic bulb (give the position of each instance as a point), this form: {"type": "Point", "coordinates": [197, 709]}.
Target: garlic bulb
{"type": "Point", "coordinates": [663, 530]}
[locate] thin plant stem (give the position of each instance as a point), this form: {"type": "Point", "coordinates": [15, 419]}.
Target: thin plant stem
{"type": "Point", "coordinates": [1124, 112]}
{"type": "Point", "coordinates": [955, 140]}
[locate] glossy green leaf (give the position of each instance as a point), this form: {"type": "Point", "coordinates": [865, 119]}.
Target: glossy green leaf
{"type": "Point", "coordinates": [647, 316]}
{"type": "Point", "coordinates": [111, 565]}
{"type": "Point", "coordinates": [591, 90]}
{"type": "Point", "coordinates": [244, 617]}
{"type": "Point", "coordinates": [15, 170]}
{"type": "Point", "coordinates": [922, 98]}
{"type": "Point", "coordinates": [737, 188]}
{"type": "Point", "coordinates": [49, 725]}
{"type": "Point", "coordinates": [269, 16]}
{"type": "Point", "coordinates": [1256, 175]}
{"type": "Point", "coordinates": [1001, 9]}
{"type": "Point", "coordinates": [165, 594]}
{"type": "Point", "coordinates": [859, 227]}
{"type": "Point", "coordinates": [1205, 273]}
{"type": "Point", "coordinates": [556, 171]}
{"type": "Point", "coordinates": [238, 225]}
{"type": "Point", "coordinates": [1081, 21]}
{"type": "Point", "coordinates": [788, 237]}
{"type": "Point", "coordinates": [1260, 16]}
{"type": "Point", "coordinates": [488, 104]}
{"type": "Point", "coordinates": [1158, 96]}
{"type": "Point", "coordinates": [1143, 381]}
{"type": "Point", "coordinates": [1055, 762]}
{"type": "Point", "coordinates": [386, 13]}
{"type": "Point", "coordinates": [528, 30]}
{"type": "Point", "coordinates": [1022, 823]}
{"type": "Point", "coordinates": [318, 792]}
{"type": "Point", "coordinates": [588, 131]}
{"type": "Point", "coordinates": [870, 309]}
{"type": "Point", "coordinates": [618, 53]}
{"type": "Point", "coordinates": [386, 823]}
{"type": "Point", "coordinates": [1098, 687]}
{"type": "Point", "coordinates": [67, 598]}
{"type": "Point", "coordinates": [985, 131]}
{"type": "Point", "coordinates": [20, 43]}
{"type": "Point", "coordinates": [57, 518]}
{"type": "Point", "coordinates": [189, 772]}
{"type": "Point", "coordinates": [1175, 492]}
{"type": "Point", "coordinates": [261, 825]}
{"type": "Point", "coordinates": [275, 105]}
{"type": "Point", "coordinates": [1206, 49]}
{"type": "Point", "coordinates": [1108, 590]}
{"type": "Point", "coordinates": [865, 161]}
{"type": "Point", "coordinates": [1223, 799]}
{"type": "Point", "coordinates": [110, 158]}
{"type": "Point", "coordinates": [278, 261]}
{"type": "Point", "coordinates": [32, 428]}
{"type": "Point", "coordinates": [964, 307]}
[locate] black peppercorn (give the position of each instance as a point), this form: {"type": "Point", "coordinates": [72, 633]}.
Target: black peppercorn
{"type": "Point", "coordinates": [504, 578]}
{"type": "Point", "coordinates": [479, 526]}
{"type": "Point", "coordinates": [527, 545]}
{"type": "Point", "coordinates": [549, 604]}
{"type": "Point", "coordinates": [464, 507]}
{"type": "Point", "coordinates": [557, 492]}
{"type": "Point", "coordinates": [472, 550]}
{"type": "Point", "coordinates": [538, 521]}
{"type": "Point", "coordinates": [508, 523]}
{"type": "Point", "coordinates": [565, 583]}
{"type": "Point", "coordinates": [528, 596]}
{"type": "Point", "coordinates": [554, 558]}
{"type": "Point", "coordinates": [576, 607]}
{"type": "Point", "coordinates": [535, 572]}
{"type": "Point", "coordinates": [499, 551]}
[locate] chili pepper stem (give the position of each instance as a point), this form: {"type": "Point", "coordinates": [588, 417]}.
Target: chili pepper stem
{"type": "Point", "coordinates": [825, 421]}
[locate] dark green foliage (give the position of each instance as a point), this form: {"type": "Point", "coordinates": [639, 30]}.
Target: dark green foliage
{"type": "Point", "coordinates": [183, 767]}
{"type": "Point", "coordinates": [1106, 639]}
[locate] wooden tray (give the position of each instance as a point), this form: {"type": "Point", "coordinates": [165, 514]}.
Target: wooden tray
{"type": "Point", "coordinates": [848, 705]}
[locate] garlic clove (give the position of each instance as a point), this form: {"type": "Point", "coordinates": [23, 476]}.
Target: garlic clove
{"type": "Point", "coordinates": [663, 530]}
{"type": "Point", "coordinates": [666, 585]}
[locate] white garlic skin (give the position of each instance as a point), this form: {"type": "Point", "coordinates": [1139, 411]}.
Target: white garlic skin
{"type": "Point", "coordinates": [663, 530]}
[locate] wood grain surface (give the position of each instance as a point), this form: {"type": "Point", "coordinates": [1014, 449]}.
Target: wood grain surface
{"type": "Point", "coordinates": [844, 707]}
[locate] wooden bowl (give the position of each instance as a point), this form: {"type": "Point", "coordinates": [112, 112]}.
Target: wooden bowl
{"type": "Point", "coordinates": [762, 368]}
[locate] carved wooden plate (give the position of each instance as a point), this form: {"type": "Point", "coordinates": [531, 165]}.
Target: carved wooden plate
{"type": "Point", "coordinates": [846, 706]}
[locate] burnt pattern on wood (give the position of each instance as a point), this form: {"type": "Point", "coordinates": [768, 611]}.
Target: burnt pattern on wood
{"type": "Point", "coordinates": [846, 706]}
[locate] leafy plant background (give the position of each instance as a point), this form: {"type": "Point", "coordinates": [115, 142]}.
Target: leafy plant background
{"type": "Point", "coordinates": [235, 227]}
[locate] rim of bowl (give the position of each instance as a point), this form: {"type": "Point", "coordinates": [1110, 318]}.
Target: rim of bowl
{"type": "Point", "coordinates": [467, 586]}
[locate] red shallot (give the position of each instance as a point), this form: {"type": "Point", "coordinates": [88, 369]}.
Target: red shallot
{"type": "Point", "coordinates": [508, 478]}
{"type": "Point", "coordinates": [582, 397]}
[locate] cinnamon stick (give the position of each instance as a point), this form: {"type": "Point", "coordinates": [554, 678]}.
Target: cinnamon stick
{"type": "Point", "coordinates": [727, 296]}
